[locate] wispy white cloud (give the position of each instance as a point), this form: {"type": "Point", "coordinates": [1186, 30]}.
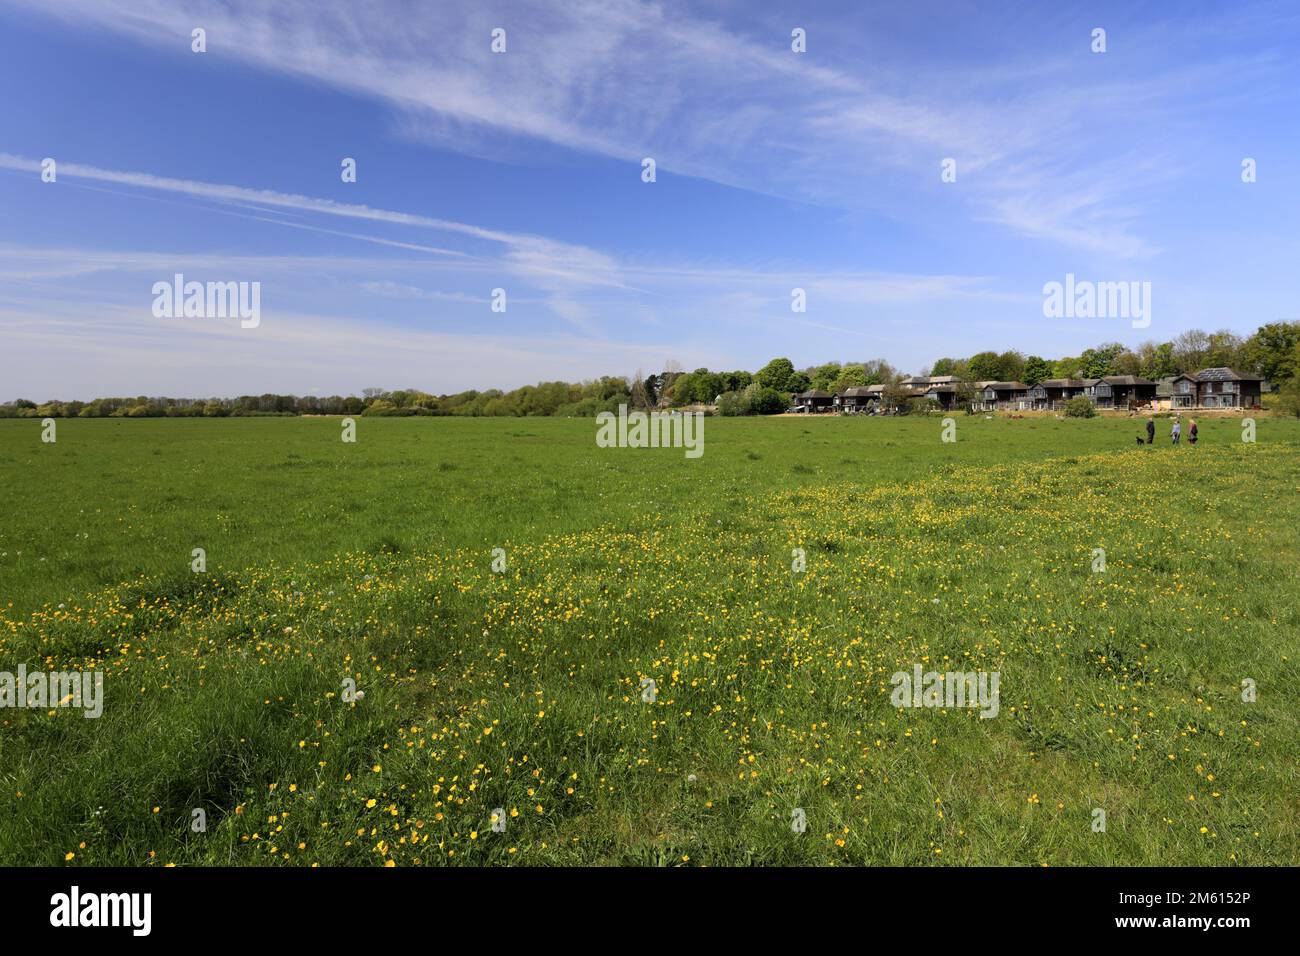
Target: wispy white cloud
{"type": "Point", "coordinates": [255, 198]}
{"type": "Point", "coordinates": [561, 271]}
{"type": "Point", "coordinates": [545, 260]}
{"type": "Point", "coordinates": [707, 98]}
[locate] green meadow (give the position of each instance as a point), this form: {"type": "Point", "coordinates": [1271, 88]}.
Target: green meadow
{"type": "Point", "coordinates": [649, 679]}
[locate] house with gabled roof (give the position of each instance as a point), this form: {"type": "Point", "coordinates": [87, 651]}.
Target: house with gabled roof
{"type": "Point", "coordinates": [1001, 396]}
{"type": "Point", "coordinates": [1224, 387]}
{"type": "Point", "coordinates": [1120, 391]}
{"type": "Point", "coordinates": [858, 398]}
{"type": "Point", "coordinates": [922, 383]}
{"type": "Point", "coordinates": [943, 394]}
{"type": "Point", "coordinates": [1178, 391]}
{"type": "Point", "coordinates": [1053, 393]}
{"type": "Point", "coordinates": [814, 400]}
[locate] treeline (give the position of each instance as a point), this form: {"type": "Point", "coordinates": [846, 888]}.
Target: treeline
{"type": "Point", "coordinates": [144, 406]}
{"type": "Point", "coordinates": [1273, 352]}
{"type": "Point", "coordinates": [547, 398]}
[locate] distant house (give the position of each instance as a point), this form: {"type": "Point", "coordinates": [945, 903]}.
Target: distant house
{"type": "Point", "coordinates": [1120, 391]}
{"type": "Point", "coordinates": [1183, 391]}
{"type": "Point", "coordinates": [922, 383]}
{"type": "Point", "coordinates": [814, 401]}
{"type": "Point", "coordinates": [1053, 393]}
{"type": "Point", "coordinates": [1209, 388]}
{"type": "Point", "coordinates": [1001, 396]}
{"type": "Point", "coordinates": [1227, 388]}
{"type": "Point", "coordinates": [857, 398]}
{"type": "Point", "coordinates": [941, 389]}
{"type": "Point", "coordinates": [944, 395]}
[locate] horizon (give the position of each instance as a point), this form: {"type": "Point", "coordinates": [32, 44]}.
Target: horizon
{"type": "Point", "coordinates": [382, 391]}
{"type": "Point", "coordinates": [775, 171]}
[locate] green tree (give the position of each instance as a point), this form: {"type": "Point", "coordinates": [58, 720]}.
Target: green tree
{"type": "Point", "coordinates": [650, 390]}
{"type": "Point", "coordinates": [777, 374]}
{"type": "Point", "coordinates": [894, 396]}
{"type": "Point", "coordinates": [1011, 366]}
{"type": "Point", "coordinates": [682, 391]}
{"type": "Point", "coordinates": [733, 403]}
{"type": "Point", "coordinates": [1100, 362]}
{"type": "Point", "coordinates": [1036, 369]}
{"type": "Point", "coordinates": [768, 401]}
{"type": "Point", "coordinates": [1225, 350]}
{"type": "Point", "coordinates": [1289, 393]}
{"type": "Point", "coordinates": [1271, 351]}
{"type": "Point", "coordinates": [985, 367]}
{"type": "Point", "coordinates": [1128, 362]}
{"type": "Point", "coordinates": [1156, 361]}
{"type": "Point", "coordinates": [1069, 367]}
{"type": "Point", "coordinates": [738, 381]}
{"type": "Point", "coordinates": [850, 375]}
{"type": "Point", "coordinates": [824, 376]}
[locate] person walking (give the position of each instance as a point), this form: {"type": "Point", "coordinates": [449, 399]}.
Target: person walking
{"type": "Point", "coordinates": [1176, 431]}
{"type": "Point", "coordinates": [1191, 432]}
{"type": "Point", "coordinates": [1151, 430]}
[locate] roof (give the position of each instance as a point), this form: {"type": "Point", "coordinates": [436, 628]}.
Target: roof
{"type": "Point", "coordinates": [942, 389]}
{"type": "Point", "coordinates": [858, 391]}
{"type": "Point", "coordinates": [1225, 374]}
{"type": "Point", "coordinates": [1062, 383]}
{"type": "Point", "coordinates": [1007, 386]}
{"type": "Point", "coordinates": [815, 393]}
{"type": "Point", "coordinates": [1127, 380]}
{"type": "Point", "coordinates": [931, 380]}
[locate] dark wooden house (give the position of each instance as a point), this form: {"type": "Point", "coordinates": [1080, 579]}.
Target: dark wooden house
{"type": "Point", "coordinates": [1053, 393]}
{"type": "Point", "coordinates": [1227, 388]}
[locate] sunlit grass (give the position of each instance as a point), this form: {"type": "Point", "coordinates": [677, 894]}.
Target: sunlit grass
{"type": "Point", "coordinates": [523, 690]}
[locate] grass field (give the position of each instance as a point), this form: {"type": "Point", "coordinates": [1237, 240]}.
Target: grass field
{"type": "Point", "coordinates": [524, 690]}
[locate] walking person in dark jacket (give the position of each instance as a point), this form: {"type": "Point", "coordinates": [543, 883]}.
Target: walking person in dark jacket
{"type": "Point", "coordinates": [1151, 430]}
{"type": "Point", "coordinates": [1191, 432]}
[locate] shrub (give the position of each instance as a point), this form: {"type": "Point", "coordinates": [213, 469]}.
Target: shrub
{"type": "Point", "coordinates": [733, 403]}
{"type": "Point", "coordinates": [1288, 400]}
{"type": "Point", "coordinates": [1080, 407]}
{"type": "Point", "coordinates": [767, 401]}
{"type": "Point", "coordinates": [922, 406]}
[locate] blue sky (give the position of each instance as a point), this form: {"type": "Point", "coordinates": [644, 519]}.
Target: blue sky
{"type": "Point", "coordinates": [522, 171]}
